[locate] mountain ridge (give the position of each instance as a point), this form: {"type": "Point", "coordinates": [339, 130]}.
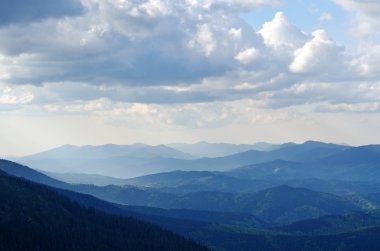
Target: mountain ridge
{"type": "Point", "coordinates": [128, 166]}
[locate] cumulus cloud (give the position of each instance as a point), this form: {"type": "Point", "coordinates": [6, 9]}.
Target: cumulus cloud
{"type": "Point", "coordinates": [133, 43]}
{"type": "Point", "coordinates": [247, 56]}
{"type": "Point", "coordinates": [281, 34]}
{"type": "Point", "coordinates": [162, 52]}
{"type": "Point", "coordinates": [319, 55]}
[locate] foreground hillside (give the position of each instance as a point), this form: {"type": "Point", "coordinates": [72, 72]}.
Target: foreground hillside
{"type": "Point", "coordinates": [34, 217]}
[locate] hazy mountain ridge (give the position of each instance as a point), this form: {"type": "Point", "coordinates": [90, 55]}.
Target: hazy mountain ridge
{"type": "Point", "coordinates": [90, 179]}
{"type": "Point", "coordinates": [136, 165]}
{"type": "Point", "coordinates": [110, 150]}
{"type": "Point", "coordinates": [212, 150]}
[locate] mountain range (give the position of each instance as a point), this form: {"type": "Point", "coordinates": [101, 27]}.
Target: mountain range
{"type": "Point", "coordinates": [139, 159]}
{"type": "Point", "coordinates": [313, 195]}
{"type": "Point", "coordinates": [270, 205]}
{"type": "Point", "coordinates": [212, 150]}
{"type": "Point", "coordinates": [222, 230]}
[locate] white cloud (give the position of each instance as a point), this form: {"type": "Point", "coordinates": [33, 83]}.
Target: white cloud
{"type": "Point", "coordinates": [247, 56]}
{"type": "Point", "coordinates": [319, 55]}
{"type": "Point", "coordinates": [135, 43]}
{"type": "Point", "coordinates": [15, 96]}
{"type": "Point", "coordinates": [141, 109]}
{"type": "Point", "coordinates": [368, 61]}
{"type": "Point", "coordinates": [153, 8]}
{"type": "Point", "coordinates": [281, 34]}
{"type": "Point", "coordinates": [159, 52]}
{"type": "Point", "coordinates": [205, 39]}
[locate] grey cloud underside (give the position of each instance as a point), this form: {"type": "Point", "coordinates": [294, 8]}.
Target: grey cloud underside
{"type": "Point", "coordinates": [21, 11]}
{"type": "Point", "coordinates": [129, 50]}
{"type": "Point", "coordinates": [147, 70]}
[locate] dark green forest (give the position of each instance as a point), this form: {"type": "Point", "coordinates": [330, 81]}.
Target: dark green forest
{"type": "Point", "coordinates": [34, 217]}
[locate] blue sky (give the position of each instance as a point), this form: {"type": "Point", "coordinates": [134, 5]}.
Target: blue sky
{"type": "Point", "coordinates": [161, 71]}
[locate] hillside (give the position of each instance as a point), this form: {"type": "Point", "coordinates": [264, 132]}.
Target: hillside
{"type": "Point", "coordinates": [21, 171]}
{"type": "Point", "coordinates": [332, 224]}
{"type": "Point", "coordinates": [284, 204]}
{"type": "Point", "coordinates": [34, 217]}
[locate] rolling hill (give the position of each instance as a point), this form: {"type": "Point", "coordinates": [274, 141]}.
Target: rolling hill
{"type": "Point", "coordinates": [284, 204]}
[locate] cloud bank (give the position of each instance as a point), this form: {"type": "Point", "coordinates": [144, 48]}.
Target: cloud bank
{"type": "Point", "coordinates": [68, 56]}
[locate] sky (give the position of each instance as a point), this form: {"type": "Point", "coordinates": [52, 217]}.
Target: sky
{"type": "Point", "coordinates": [161, 71]}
